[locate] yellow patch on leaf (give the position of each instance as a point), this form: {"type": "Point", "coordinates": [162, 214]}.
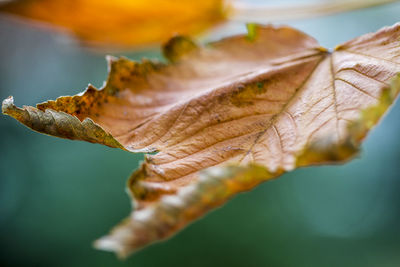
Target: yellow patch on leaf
{"type": "Point", "coordinates": [225, 117]}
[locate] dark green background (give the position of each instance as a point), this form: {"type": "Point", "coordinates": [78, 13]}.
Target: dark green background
{"type": "Point", "coordinates": [57, 196]}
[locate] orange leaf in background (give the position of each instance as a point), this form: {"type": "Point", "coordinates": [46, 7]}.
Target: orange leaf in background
{"type": "Point", "coordinates": [122, 23]}
{"type": "Point", "coordinates": [127, 24]}
{"type": "Point", "coordinates": [225, 117]}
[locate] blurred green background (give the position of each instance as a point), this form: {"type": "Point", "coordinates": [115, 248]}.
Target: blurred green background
{"type": "Point", "coordinates": [57, 196]}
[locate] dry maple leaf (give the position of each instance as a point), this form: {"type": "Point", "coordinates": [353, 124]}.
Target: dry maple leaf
{"type": "Point", "coordinates": [251, 107]}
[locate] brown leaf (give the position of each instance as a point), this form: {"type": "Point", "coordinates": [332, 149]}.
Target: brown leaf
{"type": "Point", "coordinates": [251, 107]}
{"type": "Point", "coordinates": [122, 23]}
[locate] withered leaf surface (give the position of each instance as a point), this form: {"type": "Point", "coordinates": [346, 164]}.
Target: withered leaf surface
{"type": "Point", "coordinates": [251, 107]}
{"type": "Point", "coordinates": [121, 23]}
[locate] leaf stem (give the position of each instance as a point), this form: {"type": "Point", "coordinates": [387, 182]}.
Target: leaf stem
{"type": "Point", "coordinates": [244, 12]}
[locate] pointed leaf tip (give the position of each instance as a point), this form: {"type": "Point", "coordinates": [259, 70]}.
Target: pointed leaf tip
{"type": "Point", "coordinates": [251, 31]}
{"type": "Point", "coordinates": [7, 104]}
